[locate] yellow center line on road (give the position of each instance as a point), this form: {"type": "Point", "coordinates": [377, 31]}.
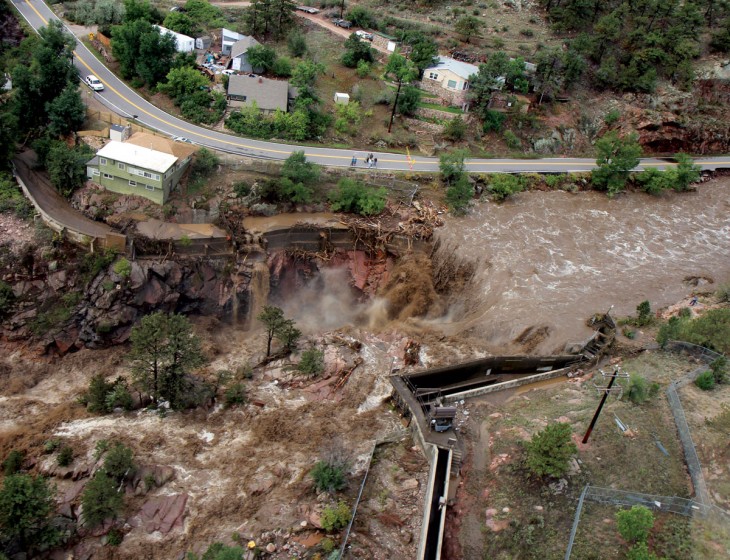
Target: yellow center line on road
{"type": "Point", "coordinates": [528, 163]}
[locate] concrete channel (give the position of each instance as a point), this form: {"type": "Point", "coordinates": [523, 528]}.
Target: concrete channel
{"type": "Point", "coordinates": [424, 396]}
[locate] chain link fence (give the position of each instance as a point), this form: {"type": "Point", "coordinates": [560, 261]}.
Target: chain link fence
{"type": "Point", "coordinates": [675, 404]}
{"type": "Point", "coordinates": [702, 505]}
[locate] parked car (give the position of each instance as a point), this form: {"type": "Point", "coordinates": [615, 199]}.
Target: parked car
{"type": "Point", "coordinates": [182, 139]}
{"type": "Point", "coordinates": [341, 22]}
{"type": "Point", "coordinates": [228, 72]}
{"type": "Point", "coordinates": [308, 9]}
{"type": "Point", "coordinates": [94, 83]}
{"type": "Point", "coordinates": [364, 34]}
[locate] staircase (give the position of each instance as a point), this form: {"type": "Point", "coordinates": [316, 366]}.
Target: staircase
{"type": "Point", "coordinates": [456, 458]}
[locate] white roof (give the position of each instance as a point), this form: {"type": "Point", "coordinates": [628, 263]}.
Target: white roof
{"type": "Point", "coordinates": [229, 36]}
{"type": "Point", "coordinates": [461, 69]}
{"type": "Point", "coordinates": [178, 36]}
{"type": "Point", "coordinates": [137, 155]}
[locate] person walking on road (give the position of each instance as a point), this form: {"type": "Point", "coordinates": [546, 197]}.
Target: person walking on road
{"type": "Point", "coordinates": [375, 162]}
{"type": "Point", "coordinates": [353, 163]}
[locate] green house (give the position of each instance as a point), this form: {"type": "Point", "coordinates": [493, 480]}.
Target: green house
{"type": "Point", "coordinates": [144, 165]}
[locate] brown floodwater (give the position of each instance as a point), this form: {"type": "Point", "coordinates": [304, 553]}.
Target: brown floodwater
{"type": "Point", "coordinates": [554, 258]}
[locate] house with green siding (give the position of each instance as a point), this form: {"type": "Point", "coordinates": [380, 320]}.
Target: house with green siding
{"type": "Point", "coordinates": [144, 165]}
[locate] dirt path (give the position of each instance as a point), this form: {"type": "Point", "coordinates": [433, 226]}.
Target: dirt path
{"type": "Point", "coordinates": [314, 18]}
{"type": "Point", "coordinates": [51, 202]}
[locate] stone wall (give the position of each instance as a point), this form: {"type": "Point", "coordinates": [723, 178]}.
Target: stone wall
{"type": "Point", "coordinates": [453, 97]}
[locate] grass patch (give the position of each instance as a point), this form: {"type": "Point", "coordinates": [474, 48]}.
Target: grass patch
{"type": "Point", "coordinates": [538, 520]}
{"type": "Point", "coordinates": [445, 109]}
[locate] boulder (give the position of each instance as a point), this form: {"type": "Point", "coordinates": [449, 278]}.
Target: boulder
{"type": "Point", "coordinates": [161, 513]}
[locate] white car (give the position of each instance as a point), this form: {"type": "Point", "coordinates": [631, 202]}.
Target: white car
{"type": "Point", "coordinates": [94, 83]}
{"type": "Point", "coordinates": [182, 139]}
{"type": "Point", "coordinates": [228, 72]}
{"type": "Point", "coordinates": [364, 34]}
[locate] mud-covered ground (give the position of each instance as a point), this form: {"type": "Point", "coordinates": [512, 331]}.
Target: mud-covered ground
{"type": "Point", "coordinates": [246, 466]}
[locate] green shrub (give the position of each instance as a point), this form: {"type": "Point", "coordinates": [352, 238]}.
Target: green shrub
{"type": "Point", "coordinates": [103, 396]}
{"type": "Point", "coordinates": [329, 476]}
{"type": "Point", "coordinates": [549, 451]}
{"type": "Point", "coordinates": [282, 67]}
{"type": "Point", "coordinates": [455, 129]}
{"type": "Point", "coordinates": [297, 44]}
{"type": "Point", "coordinates": [114, 537]}
{"type": "Point", "coordinates": [553, 181]}
{"type": "Point", "coordinates": [363, 69]}
{"type": "Point", "coordinates": [723, 293]}
{"type": "Point", "coordinates": [719, 370]}
{"type": "Point", "coordinates": [100, 499]}
{"type": "Point", "coordinates": [639, 390]}
{"type": "Point", "coordinates": [629, 333]}
{"type": "Point", "coordinates": [65, 456]}
{"type": "Point", "coordinates": [312, 362]}
{"type": "Point", "coordinates": [644, 316]}
{"type": "Point", "coordinates": [510, 138]}
{"type": "Point", "coordinates": [7, 297]}
{"type": "Point", "coordinates": [123, 268]}
{"type": "Point", "coordinates": [634, 524]}
{"type": "Point", "coordinates": [354, 196]}
{"type": "Point", "coordinates": [711, 329]}
{"type": "Point", "coordinates": [493, 120]}
{"type": "Point", "coordinates": [458, 195]}
{"type": "Point", "coordinates": [235, 394]}
{"type": "Point", "coordinates": [336, 517]}
{"type": "Point", "coordinates": [327, 544]}
{"type": "Point", "coordinates": [705, 381]}
{"type": "Point", "coordinates": [118, 461]}
{"type": "Point", "coordinates": [13, 463]}
{"type": "Point", "coordinates": [502, 185]}
{"type": "Point", "coordinates": [612, 116]}
{"type": "Point", "coordinates": [49, 446]}
{"type": "Point", "coordinates": [242, 189]}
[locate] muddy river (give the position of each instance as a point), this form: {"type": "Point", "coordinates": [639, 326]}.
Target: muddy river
{"type": "Point", "coordinates": [554, 258]}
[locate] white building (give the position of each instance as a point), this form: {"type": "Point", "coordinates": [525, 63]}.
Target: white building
{"type": "Point", "coordinates": [228, 38]}
{"type": "Point", "coordinates": [183, 43]}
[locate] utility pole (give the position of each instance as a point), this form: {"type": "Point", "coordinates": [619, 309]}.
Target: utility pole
{"type": "Point", "coordinates": [606, 391]}
{"type": "Point", "coordinates": [395, 104]}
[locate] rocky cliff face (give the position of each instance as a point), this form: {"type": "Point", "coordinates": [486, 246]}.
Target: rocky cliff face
{"type": "Point", "coordinates": [111, 304]}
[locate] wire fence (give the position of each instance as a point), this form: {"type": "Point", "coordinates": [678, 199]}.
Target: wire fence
{"type": "Point", "coordinates": [675, 404]}
{"type": "Point", "coordinates": [702, 505]}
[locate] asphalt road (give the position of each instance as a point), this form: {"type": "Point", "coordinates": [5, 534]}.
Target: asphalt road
{"type": "Point", "coordinates": [125, 102]}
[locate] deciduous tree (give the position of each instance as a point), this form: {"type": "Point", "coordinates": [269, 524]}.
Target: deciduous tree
{"type": "Point", "coordinates": [617, 156]}
{"type": "Point", "coordinates": [67, 166]}
{"type": "Point", "coordinates": [67, 112]}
